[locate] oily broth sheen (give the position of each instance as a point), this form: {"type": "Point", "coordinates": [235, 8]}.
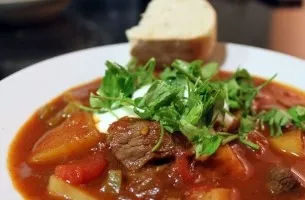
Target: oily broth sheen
{"type": "Point", "coordinates": [23, 177]}
{"type": "Point", "coordinates": [31, 180]}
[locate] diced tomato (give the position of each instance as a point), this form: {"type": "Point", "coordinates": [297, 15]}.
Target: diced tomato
{"type": "Point", "coordinates": [183, 168]}
{"type": "Point", "coordinates": [82, 171]}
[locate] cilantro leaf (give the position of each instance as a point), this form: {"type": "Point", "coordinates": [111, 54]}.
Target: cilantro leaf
{"type": "Point", "coordinates": [190, 131]}
{"type": "Point", "coordinates": [240, 91]}
{"type": "Point", "coordinates": [247, 125]}
{"type": "Point", "coordinates": [173, 77]}
{"type": "Point", "coordinates": [275, 119]}
{"type": "Point", "coordinates": [211, 96]}
{"type": "Point", "coordinates": [159, 94]}
{"type": "Point", "coordinates": [232, 91]}
{"type": "Point", "coordinates": [95, 102]}
{"type": "Point", "coordinates": [209, 70]}
{"type": "Point", "coordinates": [169, 117]}
{"type": "Point", "coordinates": [144, 75]}
{"type": "Point", "coordinates": [243, 78]}
{"type": "Point", "coordinates": [208, 145]}
{"type": "Point", "coordinates": [117, 82]}
{"type": "Point", "coordinates": [132, 65]}
{"type": "Point", "coordinates": [182, 72]}
{"type": "Point", "coordinates": [297, 114]}
{"type": "Point", "coordinates": [205, 142]}
{"type": "Point", "coordinates": [191, 71]}
{"type": "Point", "coordinates": [194, 109]}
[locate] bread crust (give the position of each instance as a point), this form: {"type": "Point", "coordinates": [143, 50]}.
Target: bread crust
{"type": "Point", "coordinates": [166, 51]}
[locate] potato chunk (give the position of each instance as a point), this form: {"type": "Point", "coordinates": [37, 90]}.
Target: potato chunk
{"type": "Point", "coordinates": [212, 194]}
{"type": "Point", "coordinates": [75, 135]}
{"type": "Point", "coordinates": [226, 162]}
{"type": "Point", "coordinates": [61, 188]}
{"type": "Point", "coordinates": [290, 143]}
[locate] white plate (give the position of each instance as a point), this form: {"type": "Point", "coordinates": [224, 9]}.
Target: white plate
{"type": "Point", "coordinates": [25, 91]}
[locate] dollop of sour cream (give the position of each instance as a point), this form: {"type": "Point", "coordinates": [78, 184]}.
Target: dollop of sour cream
{"type": "Point", "coordinates": [104, 120]}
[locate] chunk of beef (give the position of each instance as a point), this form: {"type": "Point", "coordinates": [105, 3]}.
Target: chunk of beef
{"type": "Point", "coordinates": [132, 140]}
{"type": "Point", "coordinates": [281, 180]}
{"type": "Point", "coordinates": [274, 96]}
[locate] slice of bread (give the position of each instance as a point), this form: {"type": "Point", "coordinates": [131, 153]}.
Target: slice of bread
{"type": "Point", "coordinates": [171, 29]}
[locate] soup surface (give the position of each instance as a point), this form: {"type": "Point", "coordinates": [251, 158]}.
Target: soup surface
{"type": "Point", "coordinates": [61, 141]}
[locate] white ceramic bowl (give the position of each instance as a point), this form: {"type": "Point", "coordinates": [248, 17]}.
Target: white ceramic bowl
{"type": "Point", "coordinates": [25, 91]}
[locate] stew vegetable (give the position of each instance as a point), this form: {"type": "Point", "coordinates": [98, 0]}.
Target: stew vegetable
{"type": "Point", "coordinates": [188, 132]}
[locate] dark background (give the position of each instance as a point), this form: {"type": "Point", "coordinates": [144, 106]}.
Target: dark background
{"type": "Point", "coordinates": [89, 23]}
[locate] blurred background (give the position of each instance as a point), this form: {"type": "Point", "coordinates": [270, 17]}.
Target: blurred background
{"type": "Point", "coordinates": [35, 30]}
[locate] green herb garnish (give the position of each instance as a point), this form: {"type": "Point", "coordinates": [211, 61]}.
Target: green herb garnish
{"type": "Point", "coordinates": [185, 99]}
{"type": "Point", "coordinates": [247, 125]}
{"type": "Point", "coordinates": [297, 114]}
{"type": "Point", "coordinates": [119, 84]}
{"type": "Point", "coordinates": [276, 119]}
{"type": "Point", "coordinates": [157, 146]}
{"type": "Point", "coordinates": [240, 91]}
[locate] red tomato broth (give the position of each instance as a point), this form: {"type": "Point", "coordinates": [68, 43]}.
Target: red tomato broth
{"type": "Point", "coordinates": [31, 180]}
